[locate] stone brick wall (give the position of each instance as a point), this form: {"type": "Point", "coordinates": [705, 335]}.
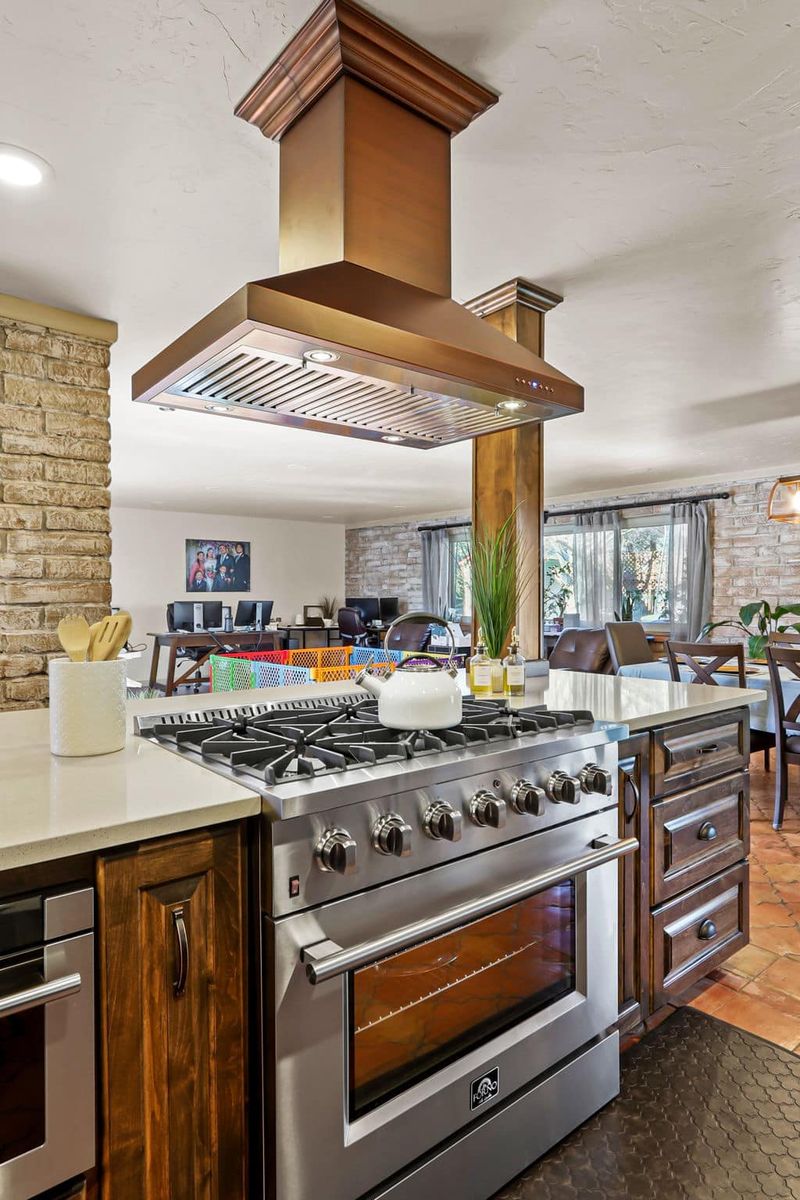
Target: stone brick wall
{"type": "Point", "coordinates": [54, 477]}
{"type": "Point", "coordinates": [754, 559]}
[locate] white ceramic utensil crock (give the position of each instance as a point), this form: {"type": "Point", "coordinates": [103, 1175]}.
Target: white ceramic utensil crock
{"type": "Point", "coordinates": [87, 707]}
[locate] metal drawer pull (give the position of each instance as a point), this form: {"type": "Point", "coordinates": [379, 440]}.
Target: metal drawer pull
{"type": "Point", "coordinates": [710, 748]}
{"type": "Point", "coordinates": [181, 952]}
{"type": "Point", "coordinates": [707, 931]}
{"type": "Point", "coordinates": [42, 993]}
{"type": "Point", "coordinates": [325, 960]}
{"type": "Point", "coordinates": [707, 832]}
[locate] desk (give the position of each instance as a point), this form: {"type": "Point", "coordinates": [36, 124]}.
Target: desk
{"type": "Point", "coordinates": [329, 631]}
{"type": "Point", "coordinates": [210, 643]}
{"type": "Point", "coordinates": [761, 717]}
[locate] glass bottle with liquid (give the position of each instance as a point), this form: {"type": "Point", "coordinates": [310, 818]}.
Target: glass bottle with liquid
{"type": "Point", "coordinates": [514, 669]}
{"type": "Point", "coordinates": [480, 670]}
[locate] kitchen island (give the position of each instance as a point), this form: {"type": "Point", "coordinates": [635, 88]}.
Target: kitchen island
{"type": "Point", "coordinates": [166, 844]}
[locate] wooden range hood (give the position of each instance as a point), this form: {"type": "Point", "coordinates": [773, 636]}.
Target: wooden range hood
{"type": "Point", "coordinates": [358, 335]}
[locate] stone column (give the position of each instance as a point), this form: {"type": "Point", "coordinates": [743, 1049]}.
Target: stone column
{"type": "Point", "coordinates": [55, 544]}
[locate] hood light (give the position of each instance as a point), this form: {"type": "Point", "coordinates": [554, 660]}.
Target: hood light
{"type": "Point", "coordinates": [394, 438]}
{"type": "Point", "coordinates": [320, 356]}
{"type": "Point", "coordinates": [511, 406]}
{"type": "Point", "coordinates": [19, 168]}
{"type": "Point", "coordinates": [217, 408]}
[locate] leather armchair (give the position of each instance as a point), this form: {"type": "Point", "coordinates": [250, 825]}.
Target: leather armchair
{"type": "Point", "coordinates": [582, 650]}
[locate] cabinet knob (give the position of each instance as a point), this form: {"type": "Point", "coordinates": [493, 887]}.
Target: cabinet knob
{"type": "Point", "coordinates": [707, 931]}
{"type": "Point", "coordinates": [707, 832]}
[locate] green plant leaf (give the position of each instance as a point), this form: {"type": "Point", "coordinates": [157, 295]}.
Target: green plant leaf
{"type": "Point", "coordinates": [748, 611]}
{"type": "Point", "coordinates": [783, 610]}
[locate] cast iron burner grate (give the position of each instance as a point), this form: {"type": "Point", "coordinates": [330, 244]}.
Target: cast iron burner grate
{"type": "Point", "coordinates": [301, 740]}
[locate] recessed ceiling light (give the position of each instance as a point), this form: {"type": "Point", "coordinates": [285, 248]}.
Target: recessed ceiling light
{"type": "Point", "coordinates": [394, 438]}
{"type": "Point", "coordinates": [506, 406]}
{"type": "Point", "coordinates": [320, 356]}
{"type": "Point", "coordinates": [19, 168]}
{"type": "Point", "coordinates": [217, 408]}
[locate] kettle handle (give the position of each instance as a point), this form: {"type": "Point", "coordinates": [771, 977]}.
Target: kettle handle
{"type": "Point", "coordinates": [432, 619]}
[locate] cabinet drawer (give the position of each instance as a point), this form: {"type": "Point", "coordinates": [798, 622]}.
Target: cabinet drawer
{"type": "Point", "coordinates": [697, 834]}
{"type": "Point", "coordinates": [692, 752]}
{"type": "Point", "coordinates": [698, 931]}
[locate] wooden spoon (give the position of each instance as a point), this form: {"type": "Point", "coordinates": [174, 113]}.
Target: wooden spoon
{"type": "Point", "coordinates": [73, 633]}
{"type": "Point", "coordinates": [111, 636]}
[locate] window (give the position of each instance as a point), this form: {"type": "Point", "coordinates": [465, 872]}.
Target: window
{"type": "Point", "coordinates": [639, 573]}
{"type": "Point", "coordinates": [459, 594]}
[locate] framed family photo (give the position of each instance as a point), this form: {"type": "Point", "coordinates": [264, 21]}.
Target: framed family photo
{"type": "Point", "coordinates": [217, 566]}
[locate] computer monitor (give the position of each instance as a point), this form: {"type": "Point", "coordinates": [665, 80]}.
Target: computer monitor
{"type": "Point", "coordinates": [369, 607]}
{"type": "Point", "coordinates": [212, 614]}
{"type": "Point", "coordinates": [183, 615]}
{"type": "Point", "coordinates": [253, 612]}
{"type": "Point", "coordinates": [390, 609]}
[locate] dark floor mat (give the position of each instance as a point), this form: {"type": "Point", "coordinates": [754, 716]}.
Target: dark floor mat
{"type": "Point", "coordinates": [706, 1112]}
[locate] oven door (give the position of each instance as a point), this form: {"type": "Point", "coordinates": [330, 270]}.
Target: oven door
{"type": "Point", "coordinates": [403, 1014]}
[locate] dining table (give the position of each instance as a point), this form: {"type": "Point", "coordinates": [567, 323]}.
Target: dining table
{"type": "Point", "coordinates": [756, 676]}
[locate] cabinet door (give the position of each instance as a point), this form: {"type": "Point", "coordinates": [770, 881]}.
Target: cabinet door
{"type": "Point", "coordinates": [634, 909]}
{"type": "Point", "coordinates": [172, 949]}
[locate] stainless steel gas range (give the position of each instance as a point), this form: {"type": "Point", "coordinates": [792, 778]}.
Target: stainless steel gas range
{"type": "Point", "coordinates": [439, 938]}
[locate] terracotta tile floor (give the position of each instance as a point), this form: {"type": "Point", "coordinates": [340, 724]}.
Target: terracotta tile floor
{"type": "Point", "coordinates": [759, 988]}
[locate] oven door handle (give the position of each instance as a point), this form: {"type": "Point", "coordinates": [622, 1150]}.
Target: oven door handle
{"type": "Point", "coordinates": [325, 960]}
{"type": "Point", "coordinates": [42, 993]}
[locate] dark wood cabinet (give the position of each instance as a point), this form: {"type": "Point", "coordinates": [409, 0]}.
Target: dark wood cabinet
{"type": "Point", "coordinates": [684, 792]}
{"type": "Point", "coordinates": [172, 931]}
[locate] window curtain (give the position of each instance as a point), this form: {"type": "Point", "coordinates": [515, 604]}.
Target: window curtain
{"type": "Point", "coordinates": [689, 569]}
{"type": "Point", "coordinates": [598, 585]}
{"type": "Point", "coordinates": [435, 570]}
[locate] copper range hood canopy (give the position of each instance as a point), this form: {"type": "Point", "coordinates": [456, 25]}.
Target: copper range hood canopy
{"type": "Point", "coordinates": [358, 335]}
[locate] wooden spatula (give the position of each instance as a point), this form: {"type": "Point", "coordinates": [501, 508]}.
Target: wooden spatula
{"type": "Point", "coordinates": [73, 633]}
{"type": "Point", "coordinates": [111, 636]}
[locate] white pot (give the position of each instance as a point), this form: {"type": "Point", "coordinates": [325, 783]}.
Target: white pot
{"type": "Point", "coordinates": [87, 707]}
{"type": "Point", "coordinates": [327, 622]}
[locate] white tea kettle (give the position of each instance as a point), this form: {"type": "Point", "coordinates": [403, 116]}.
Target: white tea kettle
{"type": "Point", "coordinates": [422, 692]}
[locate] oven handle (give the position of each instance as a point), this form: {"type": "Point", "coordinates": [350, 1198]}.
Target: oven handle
{"type": "Point", "coordinates": [325, 960]}
{"type": "Point", "coordinates": [43, 993]}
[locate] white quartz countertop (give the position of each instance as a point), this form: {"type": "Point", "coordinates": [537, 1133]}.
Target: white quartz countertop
{"type": "Point", "coordinates": [55, 807]}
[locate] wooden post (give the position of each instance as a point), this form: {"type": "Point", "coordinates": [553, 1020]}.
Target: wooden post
{"type": "Point", "coordinates": [507, 467]}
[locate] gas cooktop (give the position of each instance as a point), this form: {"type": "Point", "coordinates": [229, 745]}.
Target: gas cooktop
{"type": "Point", "coordinates": [304, 739]}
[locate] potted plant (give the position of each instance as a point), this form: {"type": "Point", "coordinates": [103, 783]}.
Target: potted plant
{"type": "Point", "coordinates": [328, 607]}
{"type": "Point", "coordinates": [767, 620]}
{"type": "Point", "coordinates": [498, 586]}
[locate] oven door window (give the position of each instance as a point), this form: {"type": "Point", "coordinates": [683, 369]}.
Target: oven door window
{"type": "Point", "coordinates": [22, 1066]}
{"type": "Point", "coordinates": [415, 1011]}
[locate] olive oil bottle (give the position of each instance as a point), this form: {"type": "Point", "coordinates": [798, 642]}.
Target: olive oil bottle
{"type": "Point", "coordinates": [480, 670]}
{"type": "Point", "coordinates": [514, 669]}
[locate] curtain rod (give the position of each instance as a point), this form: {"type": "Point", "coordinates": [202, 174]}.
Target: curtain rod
{"type": "Point", "coordinates": [444, 525]}
{"type": "Point", "coordinates": [574, 512]}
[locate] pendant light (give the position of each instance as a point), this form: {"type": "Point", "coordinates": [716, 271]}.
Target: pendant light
{"type": "Point", "coordinates": [784, 499]}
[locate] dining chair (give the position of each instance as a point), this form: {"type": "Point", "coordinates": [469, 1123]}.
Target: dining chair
{"type": "Point", "coordinates": [716, 655]}
{"type": "Point", "coordinates": [787, 723]}
{"type": "Point", "coordinates": [784, 639]}
{"type": "Point", "coordinates": [582, 650]}
{"type": "Point", "coordinates": [627, 644]}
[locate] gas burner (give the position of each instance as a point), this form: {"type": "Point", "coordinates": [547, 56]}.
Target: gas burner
{"type": "Point", "coordinates": [303, 739]}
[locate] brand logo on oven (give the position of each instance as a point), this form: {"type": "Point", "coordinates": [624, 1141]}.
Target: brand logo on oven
{"type": "Point", "coordinates": [485, 1088]}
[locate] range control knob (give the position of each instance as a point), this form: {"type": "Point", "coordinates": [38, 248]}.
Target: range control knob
{"type": "Point", "coordinates": [442, 821]}
{"type": "Point", "coordinates": [563, 789]}
{"type": "Point", "coordinates": [336, 851]}
{"type": "Point", "coordinates": [528, 799]}
{"type": "Point", "coordinates": [392, 835]}
{"type": "Point", "coordinates": [487, 809]}
{"type": "Point", "coordinates": [596, 779]}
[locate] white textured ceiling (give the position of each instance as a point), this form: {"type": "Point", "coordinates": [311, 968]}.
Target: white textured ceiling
{"type": "Point", "coordinates": [644, 160]}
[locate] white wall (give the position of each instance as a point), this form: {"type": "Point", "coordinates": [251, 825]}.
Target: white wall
{"type": "Point", "coordinates": [291, 562]}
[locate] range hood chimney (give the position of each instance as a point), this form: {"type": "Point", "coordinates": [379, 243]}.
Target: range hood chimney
{"type": "Point", "coordinates": [358, 335]}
